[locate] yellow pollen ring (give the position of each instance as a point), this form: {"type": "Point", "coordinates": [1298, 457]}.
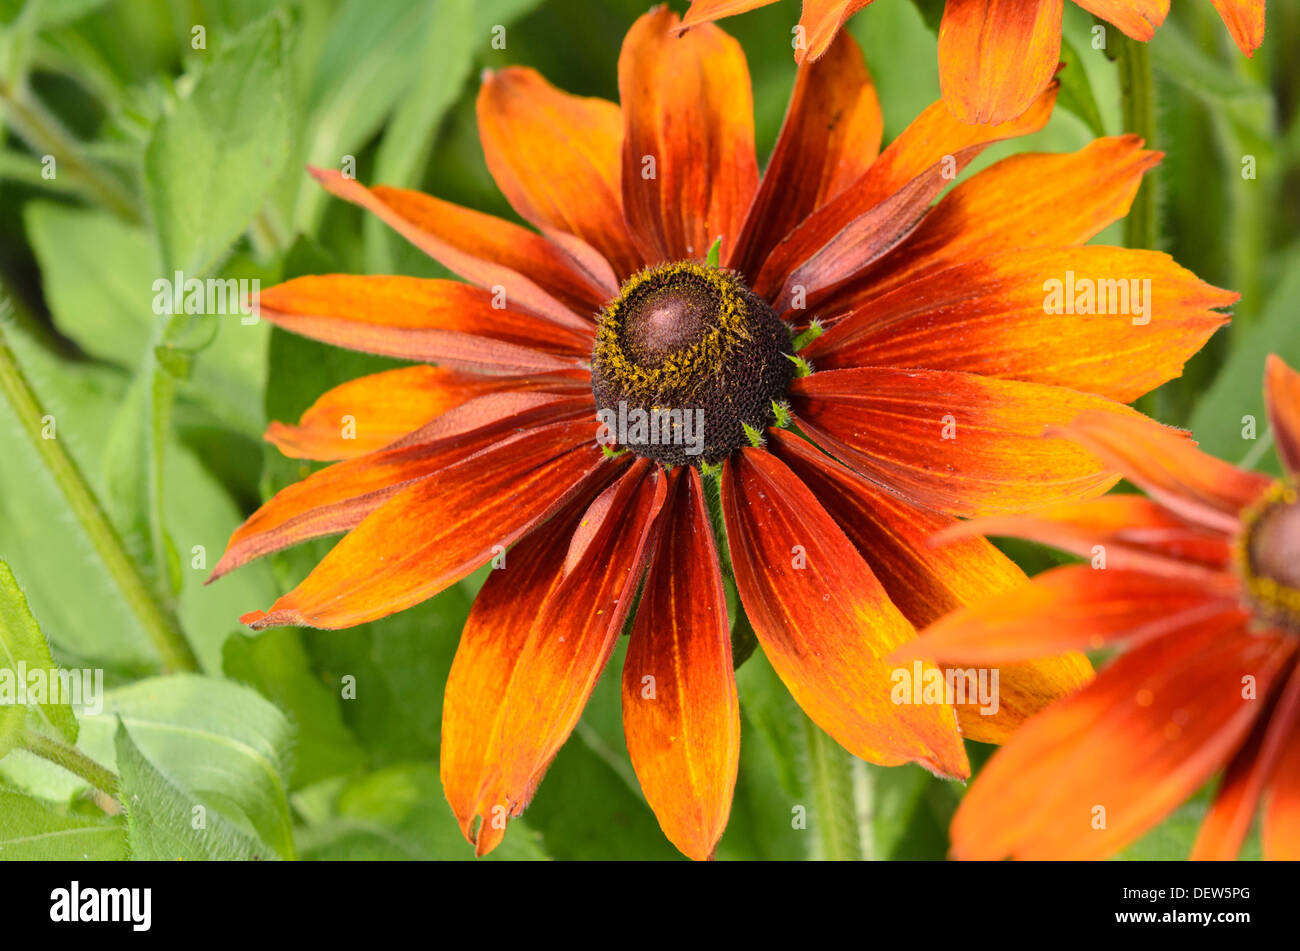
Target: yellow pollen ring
{"type": "Point", "coordinates": [679, 372]}
{"type": "Point", "coordinates": [1279, 601]}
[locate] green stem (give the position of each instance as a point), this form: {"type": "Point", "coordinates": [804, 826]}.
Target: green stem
{"type": "Point", "coordinates": [46, 136]}
{"type": "Point", "coordinates": [71, 759]}
{"type": "Point", "coordinates": [835, 807]}
{"type": "Point", "coordinates": [156, 621]}
{"type": "Point", "coordinates": [1137, 86]}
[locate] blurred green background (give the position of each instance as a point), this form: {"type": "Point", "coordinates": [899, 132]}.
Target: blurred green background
{"type": "Point", "coordinates": [170, 154]}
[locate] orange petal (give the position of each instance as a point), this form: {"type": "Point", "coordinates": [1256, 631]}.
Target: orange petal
{"type": "Point", "coordinates": [367, 414]}
{"type": "Point", "coordinates": [681, 714]}
{"type": "Point", "coordinates": [336, 499]}
{"type": "Point", "coordinates": [1031, 200]}
{"type": "Point", "coordinates": [927, 582]}
{"type": "Point", "coordinates": [935, 146]}
{"type": "Point", "coordinates": [830, 137]}
{"type": "Point", "coordinates": [1169, 467]}
{"type": "Point", "coordinates": [1282, 394]}
{"type": "Point", "coordinates": [821, 21]}
{"type": "Point", "coordinates": [557, 158]}
{"type": "Point", "coordinates": [1074, 607]}
{"type": "Point", "coordinates": [414, 318]}
{"type": "Point", "coordinates": [955, 442]}
{"type": "Point", "coordinates": [1281, 827]}
{"type": "Point", "coordinates": [431, 534]}
{"type": "Point", "coordinates": [704, 11]}
{"type": "Point", "coordinates": [824, 620]}
{"type": "Point", "coordinates": [979, 39]}
{"type": "Point", "coordinates": [1133, 531]}
{"type": "Point", "coordinates": [572, 637]}
{"type": "Point", "coordinates": [996, 317]}
{"type": "Point", "coordinates": [1245, 21]}
{"type": "Point", "coordinates": [1229, 820]}
{"type": "Point", "coordinates": [1135, 18]}
{"type": "Point", "coordinates": [537, 274]}
{"type": "Point", "coordinates": [496, 648]}
{"type": "Point", "coordinates": [1096, 770]}
{"type": "Point", "coordinates": [689, 170]}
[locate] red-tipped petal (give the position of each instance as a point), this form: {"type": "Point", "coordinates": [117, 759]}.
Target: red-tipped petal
{"type": "Point", "coordinates": [1136, 18]}
{"type": "Point", "coordinates": [824, 620]}
{"type": "Point", "coordinates": [1031, 200]}
{"type": "Point", "coordinates": [1282, 397]}
{"type": "Point", "coordinates": [681, 715]}
{"type": "Point", "coordinates": [557, 158]}
{"type": "Point", "coordinates": [1245, 21]}
{"type": "Point", "coordinates": [1244, 781]}
{"type": "Point", "coordinates": [1169, 468]}
{"type": "Point", "coordinates": [369, 413]}
{"type": "Point", "coordinates": [504, 642]}
{"type": "Point", "coordinates": [536, 273]}
{"type": "Point", "coordinates": [1074, 607]}
{"type": "Point", "coordinates": [573, 635]}
{"type": "Point", "coordinates": [436, 531]}
{"type": "Point", "coordinates": [336, 499]}
{"type": "Point", "coordinates": [1096, 770]}
{"type": "Point", "coordinates": [1133, 532]}
{"type": "Point", "coordinates": [830, 137]}
{"type": "Point", "coordinates": [927, 582]}
{"type": "Point", "coordinates": [821, 22]}
{"type": "Point", "coordinates": [433, 321]}
{"type": "Point", "coordinates": [935, 147]}
{"type": "Point", "coordinates": [689, 170]}
{"type": "Point", "coordinates": [955, 442]}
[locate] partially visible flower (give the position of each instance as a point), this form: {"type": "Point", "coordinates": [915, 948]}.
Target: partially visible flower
{"type": "Point", "coordinates": [1198, 585]}
{"type": "Point", "coordinates": [937, 371]}
{"type": "Point", "coordinates": [995, 56]}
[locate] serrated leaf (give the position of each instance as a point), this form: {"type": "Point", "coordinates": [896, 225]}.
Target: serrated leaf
{"type": "Point", "coordinates": [220, 744]}
{"type": "Point", "coordinates": [21, 641]}
{"type": "Point", "coordinates": [32, 830]}
{"type": "Point", "coordinates": [167, 823]}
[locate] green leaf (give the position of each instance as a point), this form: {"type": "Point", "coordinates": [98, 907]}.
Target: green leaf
{"type": "Point", "coordinates": [80, 607]}
{"type": "Point", "coordinates": [218, 743]}
{"type": "Point", "coordinates": [21, 641]}
{"type": "Point", "coordinates": [408, 140]}
{"type": "Point", "coordinates": [211, 163]}
{"type": "Point", "coordinates": [97, 273]}
{"type": "Point", "coordinates": [276, 665]}
{"type": "Point", "coordinates": [1076, 90]}
{"type": "Point", "coordinates": [1233, 407]}
{"type": "Point", "coordinates": [367, 62]}
{"type": "Point", "coordinates": [34, 831]}
{"type": "Point", "coordinates": [400, 813]}
{"type": "Point", "coordinates": [167, 823]}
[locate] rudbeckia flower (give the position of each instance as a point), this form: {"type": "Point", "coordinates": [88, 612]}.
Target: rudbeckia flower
{"type": "Point", "coordinates": [1200, 593]}
{"type": "Point", "coordinates": [995, 56]}
{"type": "Point", "coordinates": [935, 376]}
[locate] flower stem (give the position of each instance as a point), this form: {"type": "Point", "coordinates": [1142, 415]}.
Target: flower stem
{"type": "Point", "coordinates": [157, 622]}
{"type": "Point", "coordinates": [71, 759]}
{"type": "Point", "coordinates": [835, 808]}
{"type": "Point", "coordinates": [46, 136]}
{"type": "Point", "coordinates": [1137, 87]}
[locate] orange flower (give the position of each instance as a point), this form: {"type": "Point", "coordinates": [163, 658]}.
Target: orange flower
{"type": "Point", "coordinates": [996, 56]}
{"type": "Point", "coordinates": [1201, 591]}
{"type": "Point", "coordinates": [937, 373]}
